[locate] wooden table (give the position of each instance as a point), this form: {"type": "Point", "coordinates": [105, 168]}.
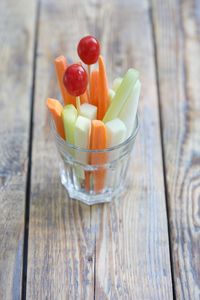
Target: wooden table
{"type": "Point", "coordinates": [145, 245]}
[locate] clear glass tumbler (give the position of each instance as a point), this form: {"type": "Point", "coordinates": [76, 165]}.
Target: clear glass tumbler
{"type": "Point", "coordinates": [89, 183]}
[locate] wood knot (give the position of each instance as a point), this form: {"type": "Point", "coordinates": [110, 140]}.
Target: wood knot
{"type": "Point", "coordinates": [90, 258]}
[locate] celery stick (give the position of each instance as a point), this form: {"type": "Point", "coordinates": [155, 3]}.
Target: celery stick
{"type": "Point", "coordinates": [69, 116]}
{"type": "Point", "coordinates": [88, 111]}
{"type": "Point", "coordinates": [111, 95]}
{"type": "Point", "coordinates": [82, 138]}
{"type": "Point", "coordinates": [116, 83]}
{"type": "Point", "coordinates": [129, 110]}
{"type": "Point", "coordinates": [121, 95]}
{"type": "Point", "coordinates": [116, 132]}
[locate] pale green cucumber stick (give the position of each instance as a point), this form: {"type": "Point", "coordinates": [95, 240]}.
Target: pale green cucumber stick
{"type": "Point", "coordinates": [82, 140]}
{"type": "Point", "coordinates": [121, 95]}
{"type": "Point", "coordinates": [88, 111]}
{"type": "Point", "coordinates": [129, 110]}
{"type": "Point", "coordinates": [69, 116]}
{"type": "Point", "coordinates": [116, 132]}
{"type": "Point", "coordinates": [82, 137]}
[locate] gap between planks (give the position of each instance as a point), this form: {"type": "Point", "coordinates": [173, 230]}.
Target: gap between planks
{"type": "Point", "coordinates": [28, 181]}
{"type": "Point", "coordinates": [162, 142]}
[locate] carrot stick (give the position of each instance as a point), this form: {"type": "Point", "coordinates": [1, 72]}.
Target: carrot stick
{"type": "Point", "coordinates": [87, 181]}
{"type": "Point", "coordinates": [84, 98]}
{"type": "Point", "coordinates": [103, 98]}
{"type": "Point", "coordinates": [94, 87]}
{"type": "Point", "coordinates": [98, 141]}
{"type": "Point", "coordinates": [60, 66]}
{"type": "Point", "coordinates": [56, 108]}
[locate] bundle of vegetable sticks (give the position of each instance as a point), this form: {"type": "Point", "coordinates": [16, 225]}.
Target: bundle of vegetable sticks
{"type": "Point", "coordinates": [94, 116]}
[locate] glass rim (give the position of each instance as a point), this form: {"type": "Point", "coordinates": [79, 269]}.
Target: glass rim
{"type": "Point", "coordinates": [105, 150]}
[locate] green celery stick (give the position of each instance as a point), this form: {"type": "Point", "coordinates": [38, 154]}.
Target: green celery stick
{"type": "Point", "coordinates": [69, 116]}
{"type": "Point", "coordinates": [116, 83]}
{"type": "Point", "coordinates": [111, 94]}
{"type": "Point", "coordinates": [121, 95]}
{"type": "Point", "coordinates": [129, 110]}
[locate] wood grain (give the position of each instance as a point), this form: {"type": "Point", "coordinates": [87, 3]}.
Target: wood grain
{"type": "Point", "coordinates": [17, 23]}
{"type": "Point", "coordinates": [117, 251]}
{"type": "Point", "coordinates": [177, 25]}
{"type": "Point", "coordinates": [61, 240]}
{"type": "Point", "coordinates": [132, 251]}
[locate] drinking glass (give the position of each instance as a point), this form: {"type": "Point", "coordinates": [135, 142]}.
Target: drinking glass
{"type": "Point", "coordinates": [94, 183]}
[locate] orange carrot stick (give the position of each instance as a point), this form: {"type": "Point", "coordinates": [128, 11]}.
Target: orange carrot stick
{"type": "Point", "coordinates": [84, 98]}
{"type": "Point", "coordinates": [87, 180]}
{"type": "Point", "coordinates": [55, 109]}
{"type": "Point", "coordinates": [94, 87]}
{"type": "Point", "coordinates": [103, 98]}
{"type": "Point", "coordinates": [98, 141]}
{"type": "Point", "coordinates": [60, 66]}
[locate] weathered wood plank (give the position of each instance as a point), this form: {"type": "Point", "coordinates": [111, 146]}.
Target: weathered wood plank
{"type": "Point", "coordinates": [76, 252]}
{"type": "Point", "coordinates": [177, 41]}
{"type": "Point", "coordinates": [17, 23]}
{"type": "Point", "coordinates": [61, 240]}
{"type": "Point", "coordinates": [132, 250]}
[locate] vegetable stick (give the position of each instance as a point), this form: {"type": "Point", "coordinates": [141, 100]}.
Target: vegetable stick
{"type": "Point", "coordinates": [121, 95]}
{"type": "Point", "coordinates": [69, 116]}
{"type": "Point", "coordinates": [84, 98]}
{"type": "Point", "coordinates": [94, 87]}
{"type": "Point", "coordinates": [87, 181]}
{"type": "Point", "coordinates": [111, 95]}
{"type": "Point", "coordinates": [88, 111]}
{"type": "Point", "coordinates": [103, 92]}
{"type": "Point", "coordinates": [116, 83]}
{"type": "Point", "coordinates": [82, 137]}
{"type": "Point", "coordinates": [98, 141]}
{"type": "Point", "coordinates": [56, 108]}
{"type": "Point", "coordinates": [82, 140]}
{"type": "Point", "coordinates": [116, 132]}
{"type": "Point", "coordinates": [129, 110]}
{"type": "Point", "coordinates": [60, 66]}
{"type": "Point", "coordinates": [89, 74]}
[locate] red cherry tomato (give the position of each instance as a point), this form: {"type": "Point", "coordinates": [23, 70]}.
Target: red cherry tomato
{"type": "Point", "coordinates": [75, 80]}
{"type": "Point", "coordinates": [88, 50]}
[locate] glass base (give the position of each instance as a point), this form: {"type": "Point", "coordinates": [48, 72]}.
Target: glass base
{"type": "Point", "coordinates": [89, 198]}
